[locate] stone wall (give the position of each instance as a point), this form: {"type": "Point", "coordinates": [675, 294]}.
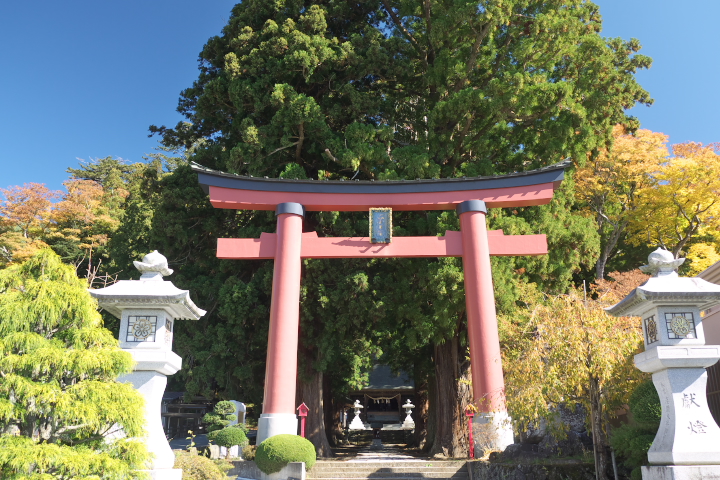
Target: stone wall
{"type": "Point", "coordinates": [245, 469]}
{"type": "Point", "coordinates": [480, 470]}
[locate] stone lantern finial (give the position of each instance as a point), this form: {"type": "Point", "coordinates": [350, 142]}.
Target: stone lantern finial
{"type": "Point", "coordinates": [662, 263]}
{"type": "Point", "coordinates": [154, 266]}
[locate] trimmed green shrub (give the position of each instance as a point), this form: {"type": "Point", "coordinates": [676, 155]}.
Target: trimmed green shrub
{"type": "Point", "coordinates": [223, 413]}
{"type": "Point", "coordinates": [276, 452]}
{"type": "Point", "coordinates": [196, 467]}
{"type": "Point", "coordinates": [228, 437]}
{"type": "Point", "coordinates": [632, 441]}
{"type": "Point", "coordinates": [248, 453]}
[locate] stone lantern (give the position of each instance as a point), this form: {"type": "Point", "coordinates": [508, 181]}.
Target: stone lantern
{"type": "Point", "coordinates": [409, 423]}
{"type": "Point", "coordinates": [147, 309]}
{"type": "Point", "coordinates": [356, 423]}
{"type": "Point", "coordinates": [687, 444]}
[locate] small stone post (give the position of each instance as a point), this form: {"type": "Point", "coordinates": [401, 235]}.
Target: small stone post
{"type": "Point", "coordinates": [687, 444]}
{"type": "Point", "coordinates": [147, 309]}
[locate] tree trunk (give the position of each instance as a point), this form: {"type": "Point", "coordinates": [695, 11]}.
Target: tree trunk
{"type": "Point", "coordinates": [333, 426]}
{"type": "Point", "coordinates": [608, 249]}
{"type": "Point", "coordinates": [431, 420]}
{"type": "Point", "coordinates": [310, 391]}
{"type": "Point", "coordinates": [420, 414]}
{"type": "Point", "coordinates": [451, 395]}
{"type": "Point", "coordinates": [601, 448]}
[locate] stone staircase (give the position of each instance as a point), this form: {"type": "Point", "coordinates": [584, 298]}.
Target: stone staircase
{"type": "Point", "coordinates": [389, 470]}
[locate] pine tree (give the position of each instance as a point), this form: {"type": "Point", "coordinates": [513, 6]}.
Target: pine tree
{"type": "Point", "coordinates": [59, 397]}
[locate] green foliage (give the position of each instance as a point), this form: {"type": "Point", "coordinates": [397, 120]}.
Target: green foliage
{"type": "Point", "coordinates": [645, 404]}
{"type": "Point", "coordinates": [219, 429]}
{"type": "Point", "coordinates": [58, 391]}
{"type": "Point", "coordinates": [23, 458]}
{"type": "Point", "coordinates": [197, 467]}
{"type": "Point", "coordinates": [405, 89]}
{"type": "Point", "coordinates": [248, 452]}
{"type": "Point", "coordinates": [632, 441]}
{"type": "Point", "coordinates": [277, 451]}
{"type": "Point", "coordinates": [220, 417]}
{"type": "Point", "coordinates": [229, 436]}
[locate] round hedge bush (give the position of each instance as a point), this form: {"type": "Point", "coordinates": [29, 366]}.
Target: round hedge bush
{"type": "Point", "coordinates": [228, 436]}
{"type": "Point", "coordinates": [276, 452]}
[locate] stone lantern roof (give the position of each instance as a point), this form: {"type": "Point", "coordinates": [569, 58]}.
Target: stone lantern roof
{"type": "Point", "coordinates": [665, 286]}
{"type": "Point", "coordinates": [150, 291]}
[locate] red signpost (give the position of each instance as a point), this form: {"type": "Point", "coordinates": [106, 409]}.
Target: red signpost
{"type": "Point", "coordinates": [302, 413]}
{"type": "Point", "coordinates": [470, 413]}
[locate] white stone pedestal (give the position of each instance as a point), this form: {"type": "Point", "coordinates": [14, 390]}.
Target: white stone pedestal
{"type": "Point", "coordinates": [271, 424]}
{"type": "Point", "coordinates": [291, 470]}
{"type": "Point", "coordinates": [492, 432]}
{"type": "Point", "coordinates": [152, 386]}
{"type": "Point", "coordinates": [688, 434]}
{"type": "Point", "coordinates": [681, 472]}
{"type": "Point", "coordinates": [356, 423]}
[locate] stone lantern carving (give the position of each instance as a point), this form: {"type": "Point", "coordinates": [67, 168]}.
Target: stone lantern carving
{"type": "Point", "coordinates": [687, 444]}
{"type": "Point", "coordinates": [147, 309]}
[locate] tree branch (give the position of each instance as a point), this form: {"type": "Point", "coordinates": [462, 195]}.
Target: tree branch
{"type": "Point", "coordinates": [282, 148]}
{"type": "Point", "coordinates": [405, 31]}
{"type": "Point", "coordinates": [484, 30]}
{"type": "Point", "coordinates": [301, 139]}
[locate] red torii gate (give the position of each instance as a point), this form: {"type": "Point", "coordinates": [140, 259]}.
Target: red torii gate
{"type": "Point", "coordinates": [469, 196]}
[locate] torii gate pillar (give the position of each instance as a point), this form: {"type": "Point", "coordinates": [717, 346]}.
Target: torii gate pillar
{"type": "Point", "coordinates": [485, 358]}
{"type": "Point", "coordinates": [281, 368]}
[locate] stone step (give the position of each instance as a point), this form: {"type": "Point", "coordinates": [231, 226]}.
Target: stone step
{"type": "Point", "coordinates": [386, 475]}
{"type": "Point", "coordinates": [397, 466]}
{"type": "Point", "coordinates": [349, 464]}
{"type": "Point", "coordinates": [398, 470]}
{"type": "Point", "coordinates": [418, 476]}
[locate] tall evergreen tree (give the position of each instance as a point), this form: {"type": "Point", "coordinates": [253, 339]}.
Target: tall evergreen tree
{"type": "Point", "coordinates": [386, 89]}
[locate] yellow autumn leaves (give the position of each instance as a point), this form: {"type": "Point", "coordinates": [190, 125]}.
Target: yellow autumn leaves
{"type": "Point", "coordinates": [655, 195]}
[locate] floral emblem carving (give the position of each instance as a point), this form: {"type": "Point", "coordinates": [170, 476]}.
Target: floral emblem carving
{"type": "Point", "coordinates": [141, 328]}
{"type": "Point", "coordinates": [679, 326]}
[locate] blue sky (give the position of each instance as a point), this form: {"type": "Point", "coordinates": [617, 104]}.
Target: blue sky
{"type": "Point", "coordinates": [85, 79]}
